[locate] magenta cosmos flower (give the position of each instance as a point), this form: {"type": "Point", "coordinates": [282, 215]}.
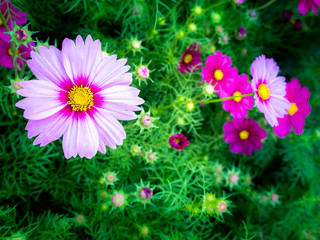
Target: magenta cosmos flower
{"type": "Point", "coordinates": [190, 59]}
{"type": "Point", "coordinates": [243, 135]}
{"type": "Point", "coordinates": [178, 141]}
{"type": "Point", "coordinates": [6, 55]}
{"type": "Point", "coordinates": [269, 89]}
{"type": "Point", "coordinates": [11, 15]}
{"type": "Point", "coordinates": [299, 110]}
{"type": "Point", "coordinates": [239, 106]}
{"type": "Point", "coordinates": [80, 96]}
{"type": "Point", "coordinates": [218, 71]}
{"type": "Point", "coordinates": [305, 5]}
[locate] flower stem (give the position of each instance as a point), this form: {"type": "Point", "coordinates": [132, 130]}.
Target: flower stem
{"type": "Point", "coordinates": [130, 126]}
{"type": "Point", "coordinates": [265, 5]}
{"type": "Point", "coordinates": [227, 98]}
{"type": "Point", "coordinates": [175, 6]}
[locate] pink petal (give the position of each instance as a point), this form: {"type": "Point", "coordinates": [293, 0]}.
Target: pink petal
{"type": "Point", "coordinates": [303, 7]}
{"type": "Point", "coordinates": [81, 137]}
{"type": "Point", "coordinates": [48, 66]}
{"type": "Point", "coordinates": [297, 122]}
{"type": "Point", "coordinates": [39, 88]}
{"type": "Point", "coordinates": [284, 127]}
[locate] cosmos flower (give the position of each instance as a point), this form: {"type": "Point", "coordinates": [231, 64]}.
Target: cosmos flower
{"type": "Point", "coordinates": [238, 106]}
{"type": "Point", "coordinates": [269, 89]}
{"type": "Point", "coordinates": [6, 55]}
{"type": "Point", "coordinates": [78, 96]}
{"type": "Point", "coordinates": [178, 141]}
{"type": "Point", "coordinates": [218, 71]}
{"type": "Point", "coordinates": [190, 59]}
{"type": "Point", "coordinates": [243, 135]}
{"type": "Point", "coordinates": [299, 110]}
{"type": "Point", "coordinates": [11, 15]}
{"type": "Point", "coordinates": [305, 5]}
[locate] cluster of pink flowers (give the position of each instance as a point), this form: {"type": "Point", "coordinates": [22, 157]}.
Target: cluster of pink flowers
{"type": "Point", "coordinates": [12, 16]}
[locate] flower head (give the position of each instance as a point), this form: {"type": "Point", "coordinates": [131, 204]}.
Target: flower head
{"type": "Point", "coordinates": [145, 121]}
{"type": "Point", "coordinates": [178, 141]}
{"type": "Point", "coordinates": [299, 109]}
{"type": "Point", "coordinates": [144, 193]}
{"type": "Point", "coordinates": [82, 98]}
{"type": "Point", "coordinates": [218, 71]}
{"type": "Point", "coordinates": [11, 15]}
{"type": "Point", "coordinates": [190, 59]}
{"type": "Point", "coordinates": [238, 1]}
{"type": "Point", "coordinates": [269, 89]}
{"type": "Point", "coordinates": [238, 106]}
{"type": "Point", "coordinates": [305, 5]}
{"type": "Point", "coordinates": [242, 32]}
{"type": "Point", "coordinates": [118, 200]}
{"type": "Point", "coordinates": [243, 135]}
{"type": "Point", "coordinates": [6, 54]}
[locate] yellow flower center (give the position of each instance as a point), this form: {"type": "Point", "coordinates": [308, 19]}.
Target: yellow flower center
{"type": "Point", "coordinates": [293, 109]}
{"type": "Point", "coordinates": [80, 98]}
{"type": "Point", "coordinates": [237, 99]}
{"type": "Point", "coordinates": [263, 92]}
{"type": "Point", "coordinates": [244, 134]}
{"type": "Point", "coordinates": [218, 75]}
{"type": "Point", "coordinates": [187, 58]}
{"type": "Point", "coordinates": [177, 140]}
{"type": "Point", "coordinates": [10, 52]}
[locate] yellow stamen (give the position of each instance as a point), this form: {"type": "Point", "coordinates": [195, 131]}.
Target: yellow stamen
{"type": "Point", "coordinates": [177, 140]}
{"type": "Point", "coordinates": [187, 58]}
{"type": "Point", "coordinates": [218, 75]}
{"type": "Point", "coordinates": [237, 99]}
{"type": "Point", "coordinates": [244, 134]}
{"type": "Point", "coordinates": [263, 92]}
{"type": "Point", "coordinates": [80, 98]}
{"type": "Point", "coordinates": [293, 109]}
{"type": "Point", "coordinates": [10, 52]}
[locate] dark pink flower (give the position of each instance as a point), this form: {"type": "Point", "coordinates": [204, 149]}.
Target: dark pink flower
{"type": "Point", "coordinates": [305, 5]}
{"type": "Point", "coordinates": [238, 106]}
{"type": "Point", "coordinates": [6, 55]}
{"type": "Point", "coordinates": [178, 141]}
{"type": "Point", "coordinates": [243, 135]}
{"type": "Point", "coordinates": [11, 15]}
{"type": "Point", "coordinates": [298, 97]}
{"type": "Point", "coordinates": [190, 59]}
{"type": "Point", "coordinates": [218, 71]}
{"type": "Point", "coordinates": [242, 32]}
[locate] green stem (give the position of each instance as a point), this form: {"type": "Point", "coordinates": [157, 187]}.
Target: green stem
{"type": "Point", "coordinates": [227, 98]}
{"type": "Point", "coordinates": [130, 126]}
{"type": "Point", "coordinates": [265, 5]}
{"type": "Point", "coordinates": [214, 5]}
{"type": "Point", "coordinates": [172, 9]}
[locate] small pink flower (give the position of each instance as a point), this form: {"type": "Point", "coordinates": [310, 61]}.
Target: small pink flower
{"type": "Point", "coordinates": [299, 109]}
{"type": "Point", "coordinates": [190, 59]}
{"type": "Point", "coordinates": [238, 106]}
{"type": "Point", "coordinates": [218, 71]}
{"type": "Point", "coordinates": [178, 141]}
{"type": "Point", "coordinates": [143, 72]}
{"type": "Point", "coordinates": [118, 200]}
{"type": "Point", "coordinates": [234, 178]}
{"type": "Point", "coordinates": [243, 135]}
{"type": "Point", "coordinates": [274, 197]}
{"type": "Point", "coordinates": [6, 55]}
{"type": "Point", "coordinates": [146, 120]}
{"type": "Point", "coordinates": [305, 5]}
{"type": "Point", "coordinates": [269, 89]}
{"type": "Point", "coordinates": [222, 206]}
{"type": "Point", "coordinates": [238, 1]}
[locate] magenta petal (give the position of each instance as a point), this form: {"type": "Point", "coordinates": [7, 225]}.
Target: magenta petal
{"type": "Point", "coordinates": [284, 127]}
{"type": "Point", "coordinates": [303, 7]}
{"type": "Point", "coordinates": [297, 122]}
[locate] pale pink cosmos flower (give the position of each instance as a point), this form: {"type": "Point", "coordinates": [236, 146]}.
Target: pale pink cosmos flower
{"type": "Point", "coordinates": [78, 96]}
{"type": "Point", "coordinates": [143, 72]}
{"type": "Point", "coordinates": [269, 89]}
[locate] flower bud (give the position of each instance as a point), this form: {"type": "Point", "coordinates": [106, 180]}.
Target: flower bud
{"type": "Point", "coordinates": [118, 200]}
{"type": "Point", "coordinates": [192, 27]}
{"type": "Point", "coordinates": [242, 32]}
{"type": "Point", "coordinates": [146, 120]}
{"type": "Point", "coordinates": [222, 206]}
{"type": "Point", "coordinates": [234, 178]}
{"type": "Point", "coordinates": [197, 10]}
{"type": "Point", "coordinates": [136, 44]}
{"type": "Point", "coordinates": [21, 35]}
{"type": "Point", "coordinates": [274, 197]}
{"type": "Point", "coordinates": [143, 72]}
{"type": "Point", "coordinates": [145, 193]}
